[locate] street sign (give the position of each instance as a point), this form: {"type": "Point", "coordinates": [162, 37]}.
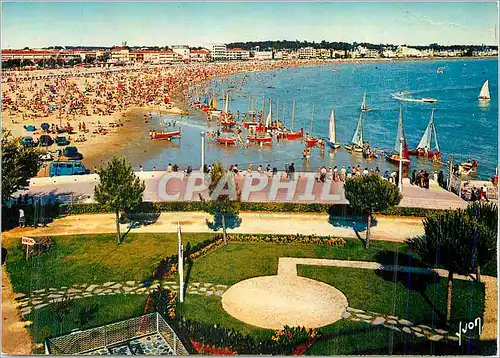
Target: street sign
{"type": "Point", "coordinates": [27, 241]}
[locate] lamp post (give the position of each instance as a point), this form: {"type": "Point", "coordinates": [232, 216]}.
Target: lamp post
{"type": "Point", "coordinates": [202, 150]}
{"type": "Point", "coordinates": [400, 184]}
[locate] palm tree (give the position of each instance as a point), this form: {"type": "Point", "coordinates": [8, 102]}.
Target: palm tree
{"type": "Point", "coordinates": [447, 243]}
{"type": "Point", "coordinates": [487, 215]}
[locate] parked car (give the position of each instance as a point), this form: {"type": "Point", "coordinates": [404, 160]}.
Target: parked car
{"type": "Point", "coordinates": [67, 168]}
{"type": "Point", "coordinates": [61, 140]}
{"type": "Point", "coordinates": [72, 153]}
{"type": "Point", "coordinates": [28, 141]}
{"type": "Point", "coordinates": [45, 140]}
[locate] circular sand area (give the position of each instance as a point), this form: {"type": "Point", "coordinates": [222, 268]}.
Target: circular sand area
{"type": "Point", "coordinates": [275, 301]}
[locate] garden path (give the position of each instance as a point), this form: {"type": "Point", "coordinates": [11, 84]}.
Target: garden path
{"type": "Point", "coordinates": [43, 297]}
{"type": "Point", "coordinates": [15, 337]}
{"type": "Point", "coordinates": [287, 266]}
{"type": "Point", "coordinates": [386, 228]}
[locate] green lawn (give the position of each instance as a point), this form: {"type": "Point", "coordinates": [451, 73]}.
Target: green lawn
{"type": "Point", "coordinates": [418, 298]}
{"type": "Point", "coordinates": [97, 258]}
{"type": "Point", "coordinates": [359, 338]}
{"type": "Point", "coordinates": [109, 309]}
{"type": "Point", "coordinates": [209, 310]}
{"type": "Point", "coordinates": [239, 261]}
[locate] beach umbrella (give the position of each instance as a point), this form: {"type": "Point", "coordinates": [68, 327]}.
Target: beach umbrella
{"type": "Point", "coordinates": [45, 126]}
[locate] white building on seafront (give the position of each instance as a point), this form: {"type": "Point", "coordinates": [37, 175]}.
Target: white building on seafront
{"type": "Point", "coordinates": [182, 50]}
{"type": "Point", "coordinates": [237, 54]}
{"type": "Point", "coordinates": [263, 55]}
{"type": "Point", "coordinates": [218, 52]}
{"type": "Point", "coordinates": [403, 51]}
{"type": "Point", "coordinates": [307, 52]}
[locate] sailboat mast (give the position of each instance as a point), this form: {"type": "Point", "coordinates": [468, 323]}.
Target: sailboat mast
{"type": "Point", "coordinates": [312, 119]}
{"type": "Point", "coordinates": [277, 109]}
{"type": "Point", "coordinates": [293, 116]}
{"type": "Point", "coordinates": [263, 107]}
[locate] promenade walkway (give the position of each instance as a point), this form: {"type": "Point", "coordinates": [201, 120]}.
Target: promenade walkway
{"type": "Point", "coordinates": [386, 228]}
{"type": "Point", "coordinates": [81, 188]}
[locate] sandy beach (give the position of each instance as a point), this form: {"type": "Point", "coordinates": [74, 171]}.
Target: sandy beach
{"type": "Point", "coordinates": [107, 109]}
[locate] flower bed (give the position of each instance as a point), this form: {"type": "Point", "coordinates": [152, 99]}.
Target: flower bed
{"type": "Point", "coordinates": [164, 302]}
{"type": "Point", "coordinates": [211, 350]}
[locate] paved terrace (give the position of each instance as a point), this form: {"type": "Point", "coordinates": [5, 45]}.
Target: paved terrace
{"type": "Point", "coordinates": [81, 188]}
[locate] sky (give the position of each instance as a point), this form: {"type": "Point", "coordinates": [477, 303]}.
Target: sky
{"type": "Point", "coordinates": [43, 24]}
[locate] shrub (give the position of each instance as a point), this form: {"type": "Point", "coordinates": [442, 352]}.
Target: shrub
{"type": "Point", "coordinates": [43, 245]}
{"type": "Point", "coordinates": [163, 301]}
{"type": "Point", "coordinates": [334, 210]}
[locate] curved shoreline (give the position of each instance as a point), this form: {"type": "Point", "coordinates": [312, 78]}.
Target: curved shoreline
{"type": "Point", "coordinates": [118, 140]}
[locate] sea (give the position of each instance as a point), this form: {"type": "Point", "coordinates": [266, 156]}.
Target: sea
{"type": "Point", "coordinates": [466, 127]}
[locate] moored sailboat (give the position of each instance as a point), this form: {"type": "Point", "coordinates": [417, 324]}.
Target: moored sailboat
{"type": "Point", "coordinates": [332, 141]}
{"type": "Point", "coordinates": [290, 135]}
{"type": "Point", "coordinates": [227, 117]}
{"type": "Point", "coordinates": [395, 158]}
{"type": "Point", "coordinates": [311, 141]}
{"type": "Point", "coordinates": [484, 94]}
{"type": "Point", "coordinates": [357, 138]}
{"type": "Point", "coordinates": [164, 135]}
{"type": "Point", "coordinates": [424, 147]}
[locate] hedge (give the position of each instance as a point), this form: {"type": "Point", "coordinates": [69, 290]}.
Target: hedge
{"type": "Point", "coordinates": [334, 210]}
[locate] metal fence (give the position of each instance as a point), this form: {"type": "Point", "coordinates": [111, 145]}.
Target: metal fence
{"type": "Point", "coordinates": [105, 336]}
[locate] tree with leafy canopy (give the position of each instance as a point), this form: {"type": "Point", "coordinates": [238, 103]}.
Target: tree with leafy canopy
{"type": "Point", "coordinates": [221, 205]}
{"type": "Point", "coordinates": [448, 242]}
{"type": "Point", "coordinates": [119, 188]}
{"type": "Point", "coordinates": [19, 164]}
{"type": "Point", "coordinates": [370, 193]}
{"type": "Point", "coordinates": [486, 215]}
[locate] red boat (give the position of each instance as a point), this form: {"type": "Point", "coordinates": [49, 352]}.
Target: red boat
{"type": "Point", "coordinates": [294, 135]}
{"type": "Point", "coordinates": [311, 142]}
{"type": "Point", "coordinates": [247, 125]}
{"type": "Point", "coordinates": [226, 141]}
{"type": "Point", "coordinates": [256, 139]}
{"type": "Point", "coordinates": [165, 135]}
{"type": "Point", "coordinates": [228, 123]}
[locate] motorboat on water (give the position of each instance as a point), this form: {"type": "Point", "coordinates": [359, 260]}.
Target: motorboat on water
{"type": "Point", "coordinates": [424, 147]}
{"type": "Point", "coordinates": [467, 168]}
{"type": "Point", "coordinates": [395, 158]}
{"type": "Point", "coordinates": [429, 100]}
